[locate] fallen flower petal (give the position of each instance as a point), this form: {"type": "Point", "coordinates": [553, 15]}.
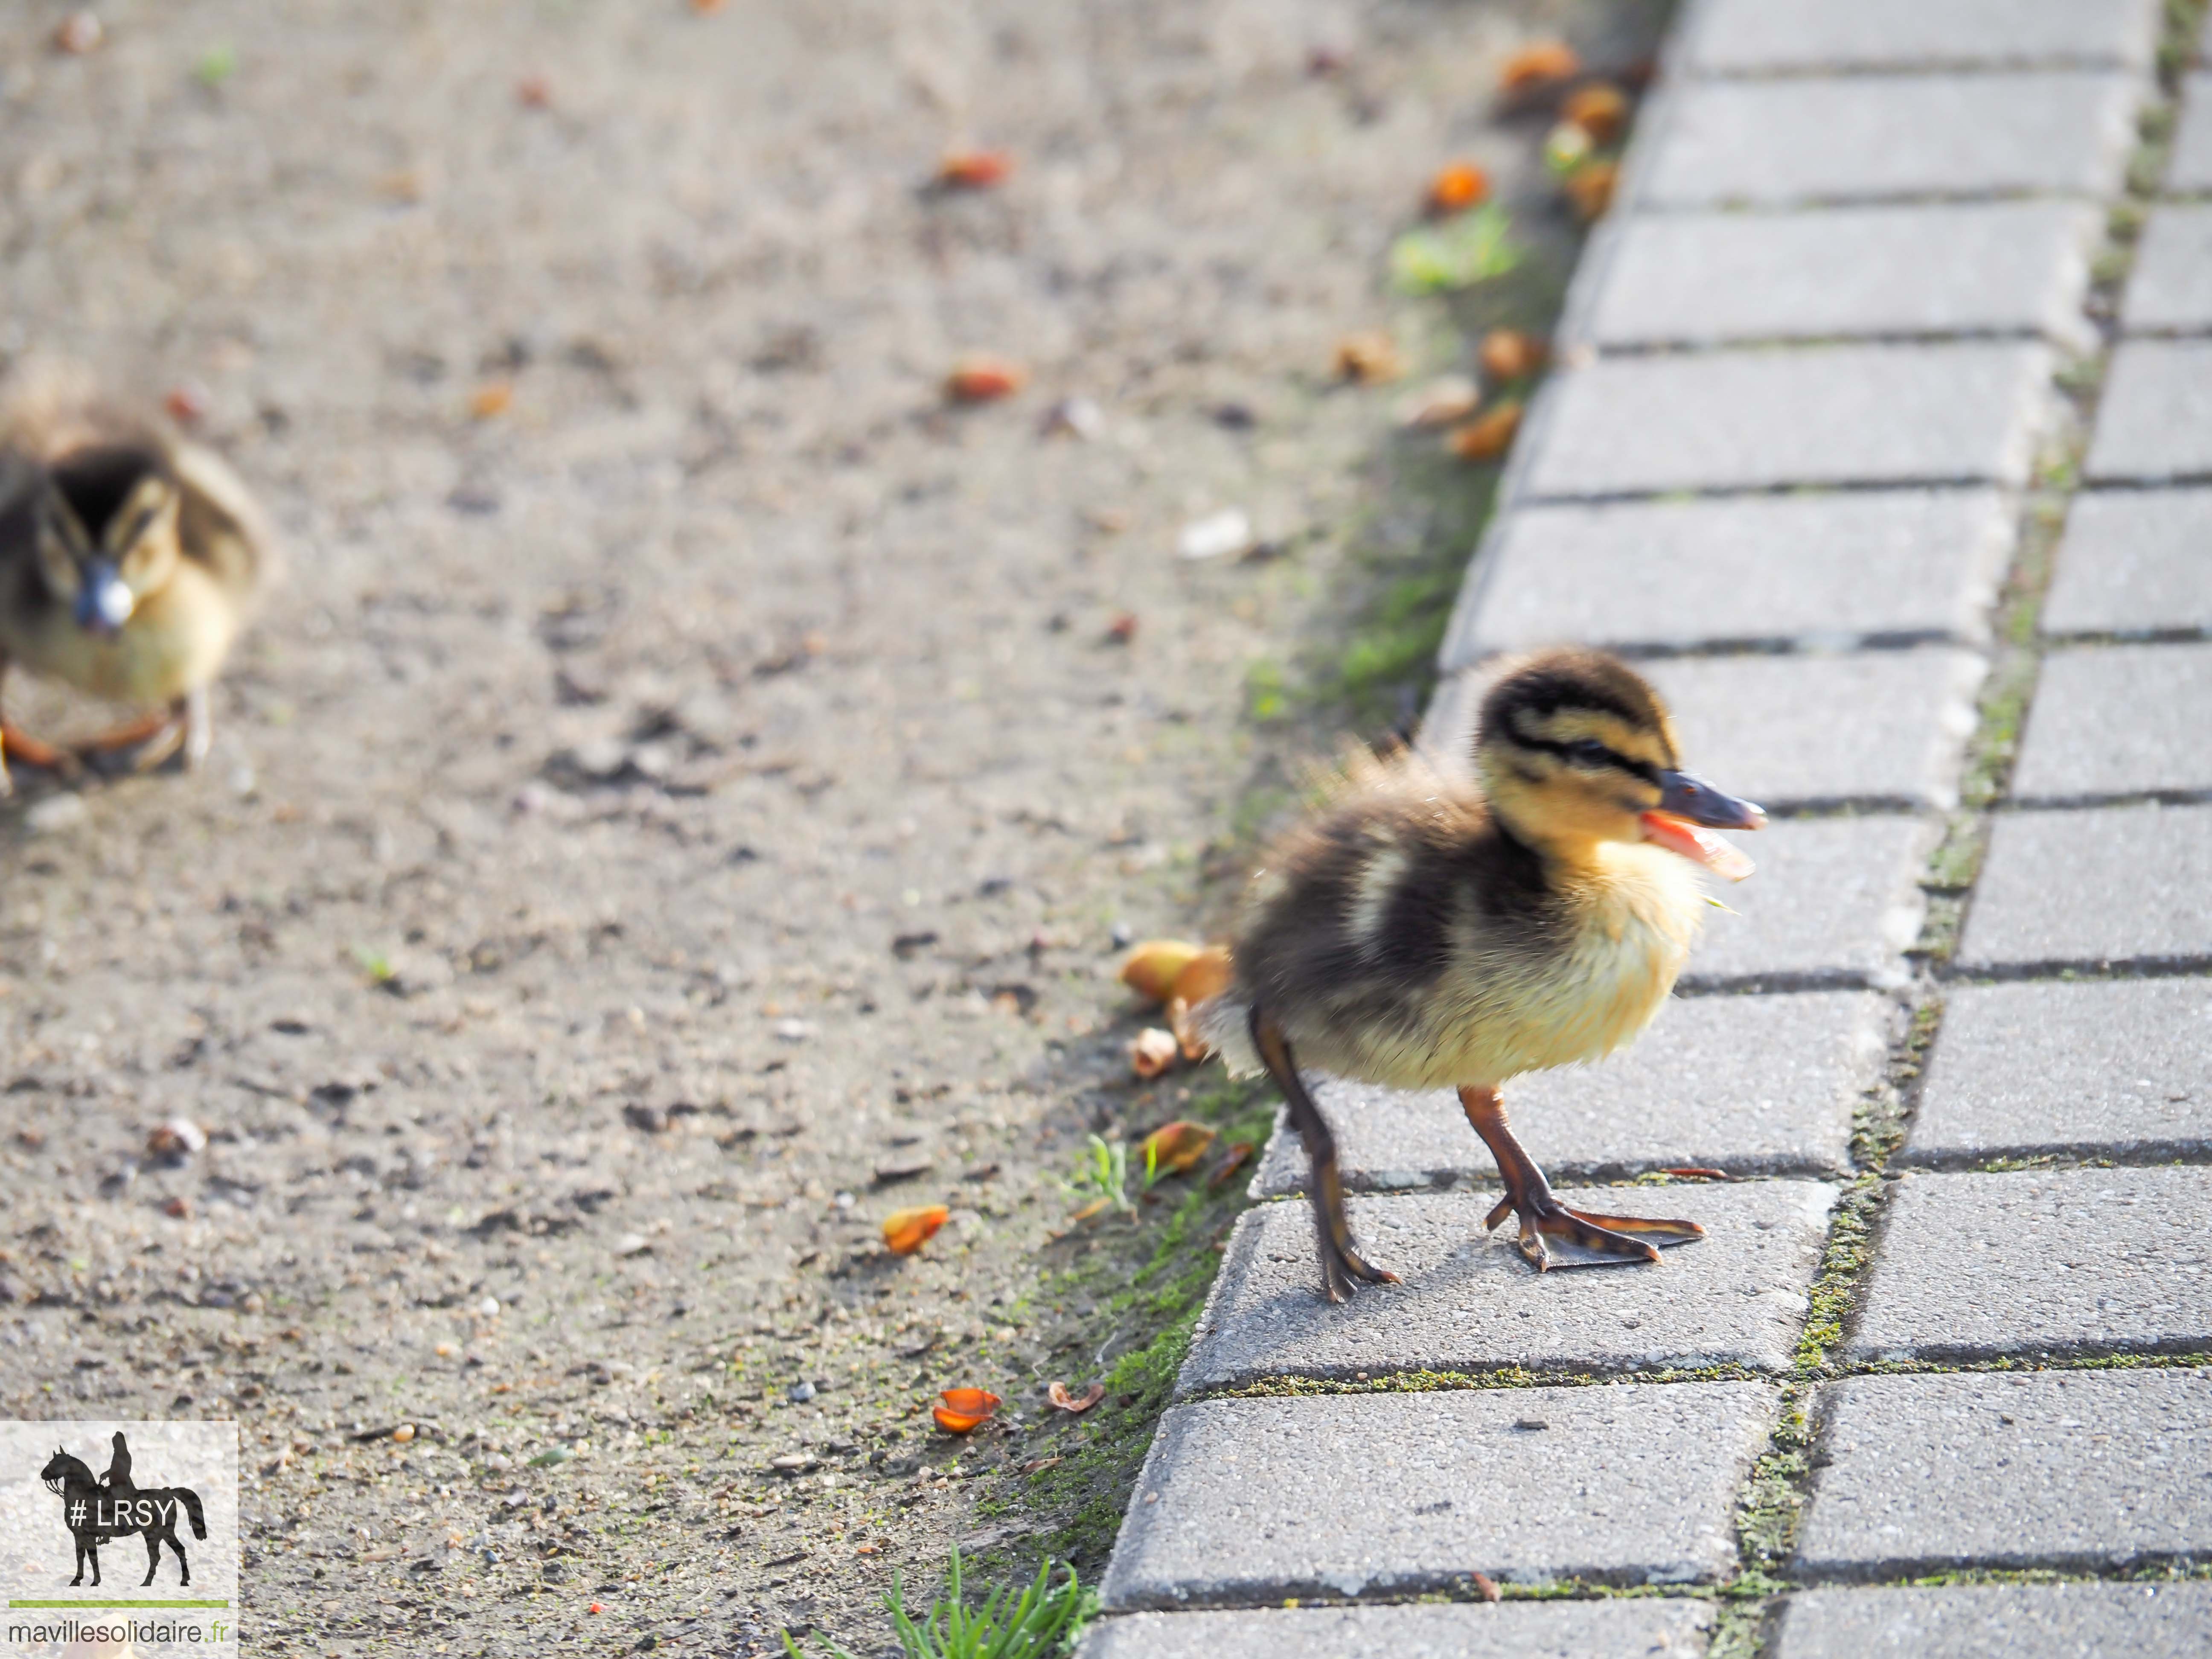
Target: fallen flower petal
{"type": "Point", "coordinates": [1600, 109]}
{"type": "Point", "coordinates": [981, 378]}
{"type": "Point", "coordinates": [1485, 1587]}
{"type": "Point", "coordinates": [907, 1230]}
{"type": "Point", "coordinates": [1152, 1051]}
{"type": "Point", "coordinates": [1205, 975]}
{"type": "Point", "coordinates": [1487, 438]}
{"type": "Point", "coordinates": [493, 398]}
{"type": "Point", "coordinates": [974, 169]}
{"type": "Point", "coordinates": [1507, 354]}
{"type": "Point", "coordinates": [1442, 402]}
{"type": "Point", "coordinates": [1190, 1039]}
{"type": "Point", "coordinates": [1458, 187]}
{"type": "Point", "coordinates": [1368, 358]}
{"type": "Point", "coordinates": [1153, 968]}
{"type": "Point", "coordinates": [79, 32]}
{"type": "Point", "coordinates": [1539, 64]}
{"type": "Point", "coordinates": [1079, 1404]}
{"type": "Point", "coordinates": [1228, 530]}
{"type": "Point", "coordinates": [1233, 1159]}
{"type": "Point", "coordinates": [979, 1402]}
{"type": "Point", "coordinates": [1590, 188]}
{"type": "Point", "coordinates": [1174, 1147]}
{"type": "Point", "coordinates": [957, 1422]}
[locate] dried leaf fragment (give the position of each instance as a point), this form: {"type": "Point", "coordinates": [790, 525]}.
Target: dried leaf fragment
{"type": "Point", "coordinates": [534, 92]}
{"type": "Point", "coordinates": [964, 168]}
{"type": "Point", "coordinates": [1600, 109]}
{"type": "Point", "coordinates": [907, 1230]}
{"type": "Point", "coordinates": [1485, 1587]}
{"type": "Point", "coordinates": [80, 33]}
{"type": "Point", "coordinates": [1152, 1052]}
{"type": "Point", "coordinates": [491, 399]}
{"type": "Point", "coordinates": [1076, 1403]}
{"type": "Point", "coordinates": [1368, 358]}
{"type": "Point", "coordinates": [1233, 1158]}
{"type": "Point", "coordinates": [1539, 64]}
{"type": "Point", "coordinates": [1152, 968]}
{"type": "Point", "coordinates": [1444, 401]}
{"type": "Point", "coordinates": [185, 402]}
{"type": "Point", "coordinates": [1507, 354]}
{"type": "Point", "coordinates": [1487, 438]}
{"type": "Point", "coordinates": [982, 378]}
{"type": "Point", "coordinates": [1590, 188]}
{"type": "Point", "coordinates": [1457, 186]}
{"type": "Point", "coordinates": [1173, 1148]}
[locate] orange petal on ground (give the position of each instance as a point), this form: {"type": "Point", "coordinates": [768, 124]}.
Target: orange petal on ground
{"type": "Point", "coordinates": [1507, 354]}
{"type": "Point", "coordinates": [1539, 64]}
{"type": "Point", "coordinates": [1485, 1586]}
{"type": "Point", "coordinates": [1233, 1159]}
{"type": "Point", "coordinates": [1600, 109]}
{"type": "Point", "coordinates": [974, 169]}
{"type": "Point", "coordinates": [1590, 188]}
{"type": "Point", "coordinates": [1060, 1397]}
{"type": "Point", "coordinates": [1458, 186]}
{"type": "Point", "coordinates": [1174, 1147]}
{"type": "Point", "coordinates": [907, 1230]}
{"type": "Point", "coordinates": [1488, 437]}
{"type": "Point", "coordinates": [959, 1422]}
{"type": "Point", "coordinates": [1152, 1052]}
{"type": "Point", "coordinates": [493, 398]}
{"type": "Point", "coordinates": [1206, 975]}
{"type": "Point", "coordinates": [1151, 969]}
{"type": "Point", "coordinates": [971, 1402]}
{"type": "Point", "coordinates": [1368, 358]}
{"type": "Point", "coordinates": [1190, 1039]}
{"type": "Point", "coordinates": [981, 378]}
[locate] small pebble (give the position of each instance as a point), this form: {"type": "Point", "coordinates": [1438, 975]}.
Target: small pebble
{"type": "Point", "coordinates": [799, 1393]}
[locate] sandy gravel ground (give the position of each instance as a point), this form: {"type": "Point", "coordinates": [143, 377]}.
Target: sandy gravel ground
{"type": "Point", "coordinates": [653, 809]}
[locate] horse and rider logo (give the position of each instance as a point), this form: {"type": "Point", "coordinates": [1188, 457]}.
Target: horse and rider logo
{"type": "Point", "coordinates": [113, 1506]}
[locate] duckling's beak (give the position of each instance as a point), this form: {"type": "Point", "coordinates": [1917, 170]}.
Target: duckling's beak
{"type": "Point", "coordinates": [1688, 808]}
{"type": "Point", "coordinates": [104, 599]}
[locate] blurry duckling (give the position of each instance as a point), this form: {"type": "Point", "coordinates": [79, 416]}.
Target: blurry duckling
{"type": "Point", "coordinates": [1422, 932]}
{"type": "Point", "coordinates": [130, 560]}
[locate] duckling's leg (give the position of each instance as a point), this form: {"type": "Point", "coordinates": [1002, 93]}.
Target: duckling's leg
{"type": "Point", "coordinates": [30, 752]}
{"type": "Point", "coordinates": [199, 717]}
{"type": "Point", "coordinates": [1340, 1261]}
{"type": "Point", "coordinates": [1551, 1235]}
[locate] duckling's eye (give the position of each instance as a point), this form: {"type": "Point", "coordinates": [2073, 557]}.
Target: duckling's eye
{"type": "Point", "coordinates": [1588, 751]}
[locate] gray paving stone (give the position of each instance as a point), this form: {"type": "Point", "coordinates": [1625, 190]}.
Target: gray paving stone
{"type": "Point", "coordinates": [2076, 1470]}
{"type": "Point", "coordinates": [1884, 727]}
{"type": "Point", "coordinates": [1631, 1628]}
{"type": "Point", "coordinates": [2117, 720]}
{"type": "Point", "coordinates": [1872, 137]}
{"type": "Point", "coordinates": [2154, 420]}
{"type": "Point", "coordinates": [1957, 413]}
{"type": "Point", "coordinates": [1245, 1501]}
{"type": "Point", "coordinates": [1835, 901]}
{"type": "Point", "coordinates": [1831, 568]}
{"type": "Point", "coordinates": [1999, 1621]}
{"type": "Point", "coordinates": [1961, 268]}
{"type": "Point", "coordinates": [2134, 562]}
{"type": "Point", "coordinates": [2171, 287]}
{"type": "Point", "coordinates": [2089, 1261]}
{"type": "Point", "coordinates": [1753, 36]}
{"type": "Point", "coordinates": [2122, 884]}
{"type": "Point", "coordinates": [1469, 1302]}
{"type": "Point", "coordinates": [2087, 1067]}
{"type": "Point", "coordinates": [2190, 169]}
{"type": "Point", "coordinates": [1795, 1066]}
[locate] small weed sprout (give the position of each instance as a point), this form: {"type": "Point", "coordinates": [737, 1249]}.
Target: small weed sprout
{"type": "Point", "coordinates": [1041, 1623]}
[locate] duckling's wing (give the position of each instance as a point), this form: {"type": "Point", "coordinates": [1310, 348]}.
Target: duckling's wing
{"type": "Point", "coordinates": [220, 525]}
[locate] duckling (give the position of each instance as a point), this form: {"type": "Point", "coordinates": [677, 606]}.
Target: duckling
{"type": "Point", "coordinates": [130, 560]}
{"type": "Point", "coordinates": [1421, 933]}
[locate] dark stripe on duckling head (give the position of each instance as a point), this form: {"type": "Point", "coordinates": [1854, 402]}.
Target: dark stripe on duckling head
{"type": "Point", "coordinates": [1532, 695]}
{"type": "Point", "coordinates": [97, 483]}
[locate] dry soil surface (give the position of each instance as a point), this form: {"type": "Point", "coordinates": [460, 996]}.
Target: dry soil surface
{"type": "Point", "coordinates": [675, 815]}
